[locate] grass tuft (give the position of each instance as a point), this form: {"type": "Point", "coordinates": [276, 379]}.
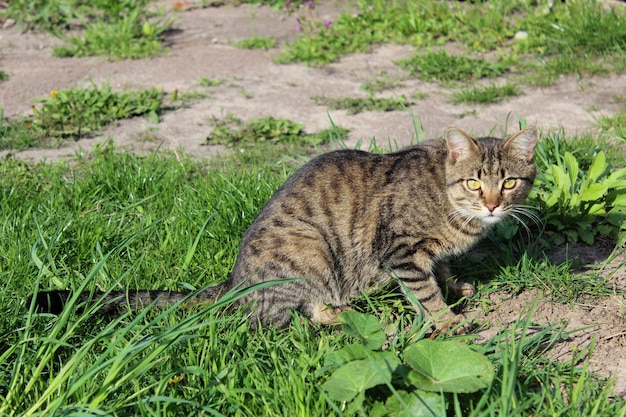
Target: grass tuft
{"type": "Point", "coordinates": [485, 94]}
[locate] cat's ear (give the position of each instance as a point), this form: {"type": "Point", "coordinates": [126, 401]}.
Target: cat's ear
{"type": "Point", "coordinates": [522, 143]}
{"type": "Point", "coordinates": [460, 144]}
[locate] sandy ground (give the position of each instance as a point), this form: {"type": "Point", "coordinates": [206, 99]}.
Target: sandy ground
{"type": "Point", "coordinates": [254, 86]}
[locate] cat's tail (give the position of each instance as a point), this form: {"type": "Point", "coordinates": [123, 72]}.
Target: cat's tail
{"type": "Point", "coordinates": [117, 302]}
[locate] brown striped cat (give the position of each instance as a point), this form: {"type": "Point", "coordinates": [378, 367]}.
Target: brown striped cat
{"type": "Point", "coordinates": [350, 220]}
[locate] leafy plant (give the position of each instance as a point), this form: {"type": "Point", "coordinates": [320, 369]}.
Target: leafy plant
{"type": "Point", "coordinates": [411, 382]}
{"type": "Point", "coordinates": [578, 204]}
{"type": "Point", "coordinates": [357, 105]}
{"type": "Point", "coordinates": [78, 112]}
{"type": "Point", "coordinates": [206, 82]}
{"type": "Point", "coordinates": [380, 82]}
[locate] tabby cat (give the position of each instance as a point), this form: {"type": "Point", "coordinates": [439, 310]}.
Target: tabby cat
{"type": "Point", "coordinates": [350, 220]}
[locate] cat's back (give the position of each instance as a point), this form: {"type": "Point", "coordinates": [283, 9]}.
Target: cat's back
{"type": "Point", "coordinates": [360, 171]}
{"type": "Point", "coordinates": [341, 191]}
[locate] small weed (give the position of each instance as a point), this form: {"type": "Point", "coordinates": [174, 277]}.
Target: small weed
{"type": "Point", "coordinates": [614, 125]}
{"type": "Point", "coordinates": [485, 94]}
{"type": "Point", "coordinates": [187, 96]}
{"type": "Point", "coordinates": [467, 113]}
{"type": "Point", "coordinates": [419, 95]}
{"type": "Point", "coordinates": [257, 42]}
{"type": "Point", "coordinates": [443, 67]}
{"type": "Point", "coordinates": [206, 82]}
{"type": "Point", "coordinates": [233, 131]}
{"type": "Point", "coordinates": [381, 82]}
{"type": "Point", "coordinates": [3, 76]}
{"type": "Point", "coordinates": [357, 105]}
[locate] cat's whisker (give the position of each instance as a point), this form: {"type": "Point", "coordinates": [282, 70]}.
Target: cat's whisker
{"type": "Point", "coordinates": [529, 213]}
{"type": "Point", "coordinates": [520, 221]}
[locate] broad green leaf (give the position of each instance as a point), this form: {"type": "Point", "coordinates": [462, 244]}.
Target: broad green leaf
{"type": "Point", "coordinates": [598, 166]}
{"type": "Point", "coordinates": [447, 366]}
{"type": "Point", "coordinates": [598, 209]}
{"type": "Point", "coordinates": [587, 235]}
{"type": "Point", "coordinates": [572, 167]}
{"type": "Point", "coordinates": [574, 204]}
{"type": "Point", "coordinates": [364, 326]}
{"type": "Point", "coordinates": [561, 179]}
{"type": "Point", "coordinates": [346, 354]}
{"type": "Point", "coordinates": [593, 192]}
{"type": "Point", "coordinates": [553, 199]}
{"type": "Point", "coordinates": [411, 404]}
{"type": "Point", "coordinates": [614, 179]}
{"type": "Point", "coordinates": [357, 376]}
{"type": "Point", "coordinates": [617, 199]}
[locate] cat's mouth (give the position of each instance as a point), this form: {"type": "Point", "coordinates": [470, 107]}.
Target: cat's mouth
{"type": "Point", "coordinates": [491, 217]}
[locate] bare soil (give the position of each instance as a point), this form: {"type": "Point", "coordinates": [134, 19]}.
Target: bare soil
{"type": "Point", "coordinates": [254, 86]}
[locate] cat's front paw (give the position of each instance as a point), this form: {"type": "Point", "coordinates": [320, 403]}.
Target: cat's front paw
{"type": "Point", "coordinates": [461, 289]}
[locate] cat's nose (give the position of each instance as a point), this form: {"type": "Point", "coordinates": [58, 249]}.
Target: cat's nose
{"type": "Point", "coordinates": [491, 207]}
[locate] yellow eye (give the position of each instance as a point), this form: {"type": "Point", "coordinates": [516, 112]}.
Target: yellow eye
{"type": "Point", "coordinates": [509, 183]}
{"type": "Point", "coordinates": [473, 185]}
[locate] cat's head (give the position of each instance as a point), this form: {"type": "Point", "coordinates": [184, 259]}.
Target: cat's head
{"type": "Point", "coordinates": [488, 178]}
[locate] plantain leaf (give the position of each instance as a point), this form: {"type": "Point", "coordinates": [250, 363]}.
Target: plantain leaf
{"type": "Point", "coordinates": [364, 326]}
{"type": "Point", "coordinates": [598, 166]}
{"type": "Point", "coordinates": [447, 366]}
{"type": "Point", "coordinates": [411, 404]}
{"type": "Point", "coordinates": [355, 377]}
{"type": "Point", "coordinates": [593, 192]}
{"type": "Point", "coordinates": [572, 167]}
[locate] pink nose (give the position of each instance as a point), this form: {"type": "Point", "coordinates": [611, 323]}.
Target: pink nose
{"type": "Point", "coordinates": [491, 207]}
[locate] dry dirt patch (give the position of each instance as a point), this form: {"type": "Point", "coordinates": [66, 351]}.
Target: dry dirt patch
{"type": "Point", "coordinates": [255, 86]}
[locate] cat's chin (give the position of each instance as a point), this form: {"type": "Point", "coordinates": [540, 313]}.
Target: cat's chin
{"type": "Point", "coordinates": [491, 218]}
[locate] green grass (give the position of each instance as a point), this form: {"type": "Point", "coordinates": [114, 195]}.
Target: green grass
{"type": "Point", "coordinates": [578, 37]}
{"type": "Point", "coordinates": [381, 82]}
{"type": "Point", "coordinates": [485, 94]}
{"type": "Point", "coordinates": [77, 112]}
{"type": "Point", "coordinates": [234, 132]}
{"type": "Point", "coordinates": [443, 67]}
{"type": "Point", "coordinates": [357, 105]}
{"type": "Point", "coordinates": [116, 30]}
{"type": "Point", "coordinates": [112, 220]}
{"type": "Point", "coordinates": [257, 42]}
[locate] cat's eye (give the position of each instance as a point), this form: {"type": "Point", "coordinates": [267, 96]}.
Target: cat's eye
{"type": "Point", "coordinates": [473, 185]}
{"type": "Point", "coordinates": [509, 183]}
